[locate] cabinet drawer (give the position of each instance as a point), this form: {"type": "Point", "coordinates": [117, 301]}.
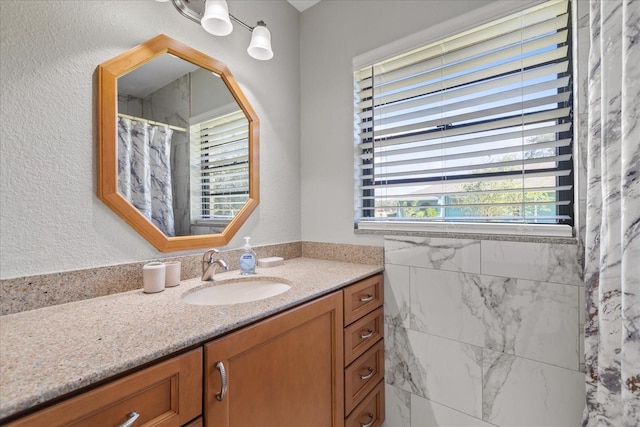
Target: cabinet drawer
{"type": "Point", "coordinates": [362, 376]}
{"type": "Point", "coordinates": [362, 297]}
{"type": "Point", "coordinates": [166, 394]}
{"type": "Point", "coordinates": [370, 412]}
{"type": "Point", "coordinates": [362, 334]}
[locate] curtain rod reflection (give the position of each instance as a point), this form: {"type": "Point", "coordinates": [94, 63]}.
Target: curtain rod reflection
{"type": "Point", "coordinates": [151, 122]}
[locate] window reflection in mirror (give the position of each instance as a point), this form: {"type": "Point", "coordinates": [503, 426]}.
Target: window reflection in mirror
{"type": "Point", "coordinates": [182, 147]}
{"type": "Point", "coordinates": [219, 166]}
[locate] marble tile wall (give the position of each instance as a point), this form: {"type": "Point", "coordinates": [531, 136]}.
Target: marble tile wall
{"type": "Point", "coordinates": [490, 332]}
{"type": "Point", "coordinates": [482, 332]}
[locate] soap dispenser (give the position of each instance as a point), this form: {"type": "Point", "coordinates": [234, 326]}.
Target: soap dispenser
{"type": "Point", "coordinates": [247, 259]}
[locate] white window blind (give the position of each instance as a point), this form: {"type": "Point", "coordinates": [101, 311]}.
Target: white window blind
{"type": "Point", "coordinates": [474, 128]}
{"type": "Point", "coordinates": [219, 167]}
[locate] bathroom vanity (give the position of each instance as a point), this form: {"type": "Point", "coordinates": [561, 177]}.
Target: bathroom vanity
{"type": "Point", "coordinates": [310, 356]}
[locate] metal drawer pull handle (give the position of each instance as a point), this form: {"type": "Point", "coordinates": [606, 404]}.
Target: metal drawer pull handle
{"type": "Point", "coordinates": [368, 375]}
{"type": "Point", "coordinates": [131, 418]}
{"type": "Point", "coordinates": [371, 420]}
{"type": "Point", "coordinates": [368, 298]}
{"type": "Point", "coordinates": [223, 378]}
{"type": "Point", "coordinates": [366, 335]}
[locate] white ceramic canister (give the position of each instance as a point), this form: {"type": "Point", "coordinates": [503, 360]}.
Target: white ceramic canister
{"type": "Point", "coordinates": [172, 273]}
{"type": "Point", "coordinates": [153, 277]}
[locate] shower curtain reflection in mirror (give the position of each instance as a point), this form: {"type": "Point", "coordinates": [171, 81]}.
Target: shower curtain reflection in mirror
{"type": "Point", "coordinates": [144, 171]}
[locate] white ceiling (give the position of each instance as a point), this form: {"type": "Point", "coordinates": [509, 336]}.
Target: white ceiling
{"type": "Point", "coordinates": [303, 5]}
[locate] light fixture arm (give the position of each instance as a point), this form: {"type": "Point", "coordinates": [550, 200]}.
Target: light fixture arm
{"type": "Point", "coordinates": [186, 11]}
{"type": "Point", "coordinates": [194, 10]}
{"type": "Point", "coordinates": [248, 27]}
{"type": "Point", "coordinates": [217, 21]}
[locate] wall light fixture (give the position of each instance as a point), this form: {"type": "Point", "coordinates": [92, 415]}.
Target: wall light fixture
{"type": "Point", "coordinates": [214, 17]}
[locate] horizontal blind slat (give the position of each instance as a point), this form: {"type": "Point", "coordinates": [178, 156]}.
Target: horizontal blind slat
{"type": "Point", "coordinates": [509, 122]}
{"type": "Point", "coordinates": [454, 118]}
{"type": "Point", "coordinates": [467, 168]}
{"type": "Point", "coordinates": [515, 175]}
{"type": "Point", "coordinates": [466, 139]}
{"type": "Point", "coordinates": [472, 154]}
{"type": "Point", "coordinates": [426, 195]}
{"type": "Point", "coordinates": [461, 141]}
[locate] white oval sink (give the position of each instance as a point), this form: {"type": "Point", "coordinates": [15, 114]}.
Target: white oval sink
{"type": "Point", "coordinates": [236, 291]}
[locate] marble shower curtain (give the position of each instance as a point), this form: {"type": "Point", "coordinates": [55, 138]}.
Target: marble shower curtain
{"type": "Point", "coordinates": [144, 170]}
{"type": "Point", "coordinates": [612, 243]}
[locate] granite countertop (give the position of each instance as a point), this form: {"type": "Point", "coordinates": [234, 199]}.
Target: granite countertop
{"type": "Point", "coordinates": [49, 352]}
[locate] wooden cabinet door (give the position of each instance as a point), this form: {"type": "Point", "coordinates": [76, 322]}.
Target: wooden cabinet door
{"type": "Point", "coordinates": [168, 394]}
{"type": "Point", "coordinates": [283, 371]}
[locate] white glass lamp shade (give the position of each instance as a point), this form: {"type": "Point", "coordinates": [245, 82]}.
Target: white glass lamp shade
{"type": "Point", "coordinates": [216, 19]}
{"type": "Point", "coordinates": [260, 46]}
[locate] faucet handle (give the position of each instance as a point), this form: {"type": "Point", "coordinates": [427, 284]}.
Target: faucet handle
{"type": "Point", "coordinates": [209, 264]}
{"type": "Point", "coordinates": [208, 255]}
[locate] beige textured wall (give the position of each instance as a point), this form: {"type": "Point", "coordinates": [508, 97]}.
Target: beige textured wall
{"type": "Point", "coordinates": [50, 217]}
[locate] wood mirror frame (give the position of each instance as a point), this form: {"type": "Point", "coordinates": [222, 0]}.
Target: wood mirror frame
{"type": "Point", "coordinates": [107, 78]}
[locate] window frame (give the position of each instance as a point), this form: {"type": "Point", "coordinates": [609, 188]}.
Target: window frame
{"type": "Point", "coordinates": [433, 34]}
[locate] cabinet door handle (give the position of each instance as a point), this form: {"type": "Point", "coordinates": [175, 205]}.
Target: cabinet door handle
{"type": "Point", "coordinates": [131, 418]}
{"type": "Point", "coordinates": [367, 334]}
{"type": "Point", "coordinates": [223, 378]}
{"type": "Point", "coordinates": [368, 298]}
{"type": "Point", "coordinates": [371, 420]}
{"type": "Point", "coordinates": [368, 375]}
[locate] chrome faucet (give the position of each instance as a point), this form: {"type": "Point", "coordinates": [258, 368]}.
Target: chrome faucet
{"type": "Point", "coordinates": [209, 264]}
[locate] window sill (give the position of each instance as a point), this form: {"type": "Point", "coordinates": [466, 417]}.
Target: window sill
{"type": "Point", "coordinates": [211, 223]}
{"type": "Point", "coordinates": [539, 233]}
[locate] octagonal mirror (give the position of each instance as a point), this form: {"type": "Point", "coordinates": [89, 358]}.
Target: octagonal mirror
{"type": "Point", "coordinates": [178, 145]}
